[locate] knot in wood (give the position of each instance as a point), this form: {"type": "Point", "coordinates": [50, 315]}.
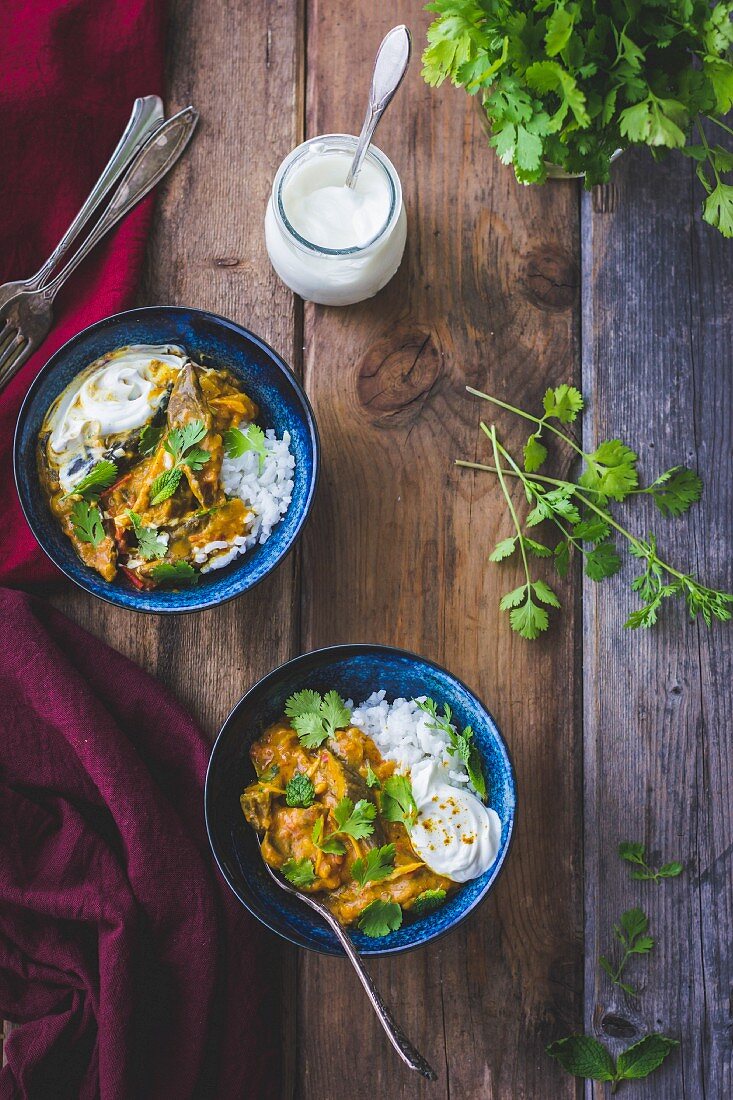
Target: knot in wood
{"type": "Point", "coordinates": [618, 1027]}
{"type": "Point", "coordinates": [550, 279]}
{"type": "Point", "coordinates": [397, 376]}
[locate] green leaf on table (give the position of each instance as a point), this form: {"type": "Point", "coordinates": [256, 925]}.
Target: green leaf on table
{"type": "Point", "coordinates": [583, 1056]}
{"type": "Point", "coordinates": [675, 490]}
{"type": "Point", "coordinates": [602, 561]}
{"type": "Point", "coordinates": [563, 402]}
{"type": "Point", "coordinates": [718, 208]}
{"type": "Point", "coordinates": [535, 454]}
{"type": "Point", "coordinates": [611, 470]}
{"type": "Point", "coordinates": [644, 1057]}
{"type": "Point", "coordinates": [503, 549]}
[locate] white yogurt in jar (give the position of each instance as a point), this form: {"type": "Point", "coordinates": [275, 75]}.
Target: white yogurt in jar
{"type": "Point", "coordinates": [329, 243]}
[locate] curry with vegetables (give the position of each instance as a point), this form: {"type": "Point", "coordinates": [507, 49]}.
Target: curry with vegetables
{"type": "Point", "coordinates": [130, 459]}
{"type": "Point", "coordinates": [335, 818]}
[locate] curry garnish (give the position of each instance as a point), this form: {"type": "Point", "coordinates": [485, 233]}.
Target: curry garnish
{"type": "Point", "coordinates": [299, 871]}
{"type": "Point", "coordinates": [380, 918]}
{"type": "Point", "coordinates": [300, 791]}
{"type": "Point", "coordinates": [398, 802]}
{"type": "Point", "coordinates": [376, 865]}
{"type": "Point", "coordinates": [314, 718]}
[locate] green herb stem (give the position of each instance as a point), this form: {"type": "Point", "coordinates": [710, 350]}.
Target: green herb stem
{"type": "Point", "coordinates": [540, 421]}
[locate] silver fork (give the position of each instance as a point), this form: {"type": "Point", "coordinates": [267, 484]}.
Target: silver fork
{"type": "Point", "coordinates": [26, 308]}
{"type": "Point", "coordinates": [407, 1052]}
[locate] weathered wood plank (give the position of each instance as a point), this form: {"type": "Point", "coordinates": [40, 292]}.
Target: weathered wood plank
{"type": "Point", "coordinates": [396, 552]}
{"type": "Point", "coordinates": [658, 364]}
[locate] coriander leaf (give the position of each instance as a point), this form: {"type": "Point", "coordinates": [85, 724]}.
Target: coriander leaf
{"type": "Point", "coordinates": [562, 558]}
{"type": "Point", "coordinates": [559, 29]}
{"type": "Point", "coordinates": [310, 730]}
{"type": "Point", "coordinates": [237, 443]}
{"type": "Point", "coordinates": [303, 702]}
{"type": "Point", "coordinates": [635, 853]}
{"type": "Point", "coordinates": [670, 870]}
{"type": "Point", "coordinates": [611, 470]}
{"type": "Point", "coordinates": [331, 845]}
{"type": "Point", "coordinates": [513, 598]}
{"type": "Point", "coordinates": [149, 545]}
{"type": "Point", "coordinates": [591, 529]}
{"type": "Point", "coordinates": [602, 561]}
{"type": "Point", "coordinates": [334, 712]}
{"type": "Point", "coordinates": [99, 478]}
{"type": "Point", "coordinates": [398, 802]}
{"type": "Point", "coordinates": [503, 549]}
{"type": "Point", "coordinates": [355, 820]}
{"type": "Point", "coordinates": [375, 866]}
{"type": "Point", "coordinates": [535, 454]}
{"type": "Point", "coordinates": [528, 620]}
{"type": "Point", "coordinates": [544, 593]}
{"type": "Point", "coordinates": [632, 851]}
{"type": "Point", "coordinates": [86, 519]}
{"type": "Point", "coordinates": [300, 872]}
{"type": "Point", "coordinates": [538, 549]}
{"type": "Point", "coordinates": [564, 402]}
{"type": "Point", "coordinates": [299, 791]}
{"type": "Point", "coordinates": [195, 459]}
{"type": "Point", "coordinates": [372, 779]}
{"type": "Point", "coordinates": [150, 438]}
{"type": "Point", "coordinates": [427, 901]}
{"type": "Point", "coordinates": [583, 1056]}
{"type": "Point", "coordinates": [380, 918]}
{"type": "Point", "coordinates": [644, 1057]}
{"type": "Point", "coordinates": [165, 485]}
{"type": "Point", "coordinates": [183, 439]}
{"type": "Point", "coordinates": [718, 208]}
{"type": "Point", "coordinates": [174, 573]}
{"type": "Point", "coordinates": [675, 490]}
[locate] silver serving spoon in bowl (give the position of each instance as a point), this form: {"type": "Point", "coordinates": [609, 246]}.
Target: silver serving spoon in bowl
{"type": "Point", "coordinates": [407, 1052]}
{"type": "Point", "coordinates": [390, 66]}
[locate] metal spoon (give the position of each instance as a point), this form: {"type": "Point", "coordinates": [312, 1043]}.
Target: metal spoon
{"type": "Point", "coordinates": [407, 1052]}
{"type": "Point", "coordinates": [393, 57]}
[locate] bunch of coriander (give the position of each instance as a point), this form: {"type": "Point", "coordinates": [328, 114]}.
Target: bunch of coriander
{"type": "Point", "coordinates": [568, 82]}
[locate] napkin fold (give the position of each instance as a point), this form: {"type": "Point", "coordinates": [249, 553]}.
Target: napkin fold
{"type": "Point", "coordinates": [130, 968]}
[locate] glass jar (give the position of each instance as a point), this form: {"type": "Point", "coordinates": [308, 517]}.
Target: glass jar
{"type": "Point", "coordinates": [344, 275]}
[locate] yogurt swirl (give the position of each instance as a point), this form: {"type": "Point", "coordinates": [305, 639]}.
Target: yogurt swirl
{"type": "Point", "coordinates": [118, 395]}
{"type": "Point", "coordinates": [456, 835]}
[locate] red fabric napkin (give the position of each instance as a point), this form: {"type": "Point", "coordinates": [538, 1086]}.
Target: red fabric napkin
{"type": "Point", "coordinates": [71, 70]}
{"type": "Point", "coordinates": [132, 971]}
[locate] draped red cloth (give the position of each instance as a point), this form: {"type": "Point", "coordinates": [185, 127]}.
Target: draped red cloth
{"type": "Point", "coordinates": [129, 969]}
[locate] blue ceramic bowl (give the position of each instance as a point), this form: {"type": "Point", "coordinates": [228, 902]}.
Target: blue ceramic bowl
{"type": "Point", "coordinates": [215, 342]}
{"type": "Point", "coordinates": [355, 671]}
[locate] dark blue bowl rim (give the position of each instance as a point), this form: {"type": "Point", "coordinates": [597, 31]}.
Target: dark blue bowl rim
{"type": "Point", "coordinates": [135, 314]}
{"type": "Point", "coordinates": [356, 649]}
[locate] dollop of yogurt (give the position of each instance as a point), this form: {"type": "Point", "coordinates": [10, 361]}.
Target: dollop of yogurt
{"type": "Point", "coordinates": [119, 395]}
{"type": "Point", "coordinates": [455, 835]}
{"type": "Point", "coordinates": [323, 210]}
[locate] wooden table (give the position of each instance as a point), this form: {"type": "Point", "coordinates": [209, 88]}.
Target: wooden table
{"type": "Point", "coordinates": [615, 735]}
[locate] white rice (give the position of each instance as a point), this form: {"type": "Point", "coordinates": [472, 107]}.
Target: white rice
{"type": "Point", "coordinates": [401, 732]}
{"type": "Point", "coordinates": [267, 494]}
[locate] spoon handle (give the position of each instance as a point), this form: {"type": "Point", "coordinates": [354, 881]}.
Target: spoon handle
{"type": "Point", "coordinates": [160, 152]}
{"type": "Point", "coordinates": [393, 57]}
{"type": "Point", "coordinates": [407, 1052]}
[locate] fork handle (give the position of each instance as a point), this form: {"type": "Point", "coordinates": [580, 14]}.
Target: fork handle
{"type": "Point", "coordinates": [407, 1052]}
{"type": "Point", "coordinates": [160, 152]}
{"type": "Point", "coordinates": [147, 115]}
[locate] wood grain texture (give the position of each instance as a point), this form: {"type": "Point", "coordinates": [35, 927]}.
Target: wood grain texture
{"type": "Point", "coordinates": [658, 726]}
{"type": "Point", "coordinates": [396, 552]}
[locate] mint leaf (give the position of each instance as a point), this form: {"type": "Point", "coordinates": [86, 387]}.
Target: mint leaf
{"type": "Point", "coordinates": [583, 1056]}
{"type": "Point", "coordinates": [299, 791]}
{"type": "Point", "coordinates": [427, 901]}
{"type": "Point", "coordinates": [644, 1057]}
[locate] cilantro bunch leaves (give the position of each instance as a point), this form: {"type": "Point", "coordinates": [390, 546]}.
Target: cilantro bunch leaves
{"type": "Point", "coordinates": [569, 83]}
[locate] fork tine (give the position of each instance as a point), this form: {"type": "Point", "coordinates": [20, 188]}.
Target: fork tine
{"type": "Point", "coordinates": [6, 333]}
{"type": "Point", "coordinates": [13, 358]}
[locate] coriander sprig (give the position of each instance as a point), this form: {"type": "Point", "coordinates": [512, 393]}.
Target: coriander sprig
{"type": "Point", "coordinates": [149, 543]}
{"type": "Point", "coordinates": [380, 918]}
{"type": "Point", "coordinates": [462, 742]}
{"type": "Point", "coordinates": [581, 511]}
{"type": "Point", "coordinates": [93, 484]}
{"type": "Point", "coordinates": [398, 802]}
{"type": "Point", "coordinates": [375, 865]}
{"type": "Point", "coordinates": [315, 718]}
{"type": "Point", "coordinates": [635, 853]}
{"type": "Point", "coordinates": [86, 519]}
{"type": "Point", "coordinates": [632, 932]}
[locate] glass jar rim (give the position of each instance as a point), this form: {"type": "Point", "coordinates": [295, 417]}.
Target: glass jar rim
{"type": "Point", "coordinates": [340, 143]}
